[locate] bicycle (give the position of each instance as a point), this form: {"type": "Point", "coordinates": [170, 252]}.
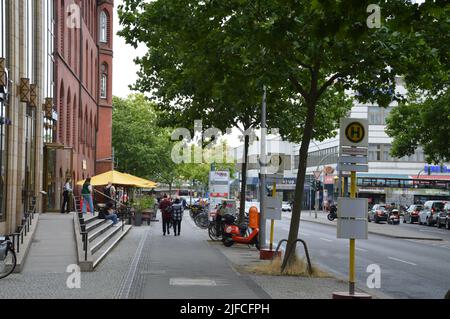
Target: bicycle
{"type": "Point", "coordinates": [212, 230]}
{"type": "Point", "coordinates": [8, 258]}
{"type": "Point", "coordinates": [202, 220]}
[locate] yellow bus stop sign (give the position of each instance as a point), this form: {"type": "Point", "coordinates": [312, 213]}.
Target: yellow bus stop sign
{"type": "Point", "coordinates": [355, 132]}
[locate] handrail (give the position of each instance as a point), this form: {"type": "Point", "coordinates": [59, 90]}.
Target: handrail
{"type": "Point", "coordinates": [17, 237]}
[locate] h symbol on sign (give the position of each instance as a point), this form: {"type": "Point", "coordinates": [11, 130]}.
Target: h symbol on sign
{"type": "Point", "coordinates": [355, 131]}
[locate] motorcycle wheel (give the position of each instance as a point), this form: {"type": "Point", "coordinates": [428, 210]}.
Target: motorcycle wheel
{"type": "Point", "coordinates": [227, 242]}
{"type": "Point", "coordinates": [330, 217]}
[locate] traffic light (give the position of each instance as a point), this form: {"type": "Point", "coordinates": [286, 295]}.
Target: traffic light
{"type": "Point", "coordinates": [319, 186]}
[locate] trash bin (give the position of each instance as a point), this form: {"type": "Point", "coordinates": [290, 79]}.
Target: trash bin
{"type": "Point", "coordinates": [137, 218]}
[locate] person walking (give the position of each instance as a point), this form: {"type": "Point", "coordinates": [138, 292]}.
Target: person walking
{"type": "Point", "coordinates": [86, 193]}
{"type": "Point", "coordinates": [177, 216]}
{"type": "Point", "coordinates": [165, 207]}
{"type": "Point", "coordinates": [67, 191]}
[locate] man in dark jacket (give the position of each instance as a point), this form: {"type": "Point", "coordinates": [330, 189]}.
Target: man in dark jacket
{"type": "Point", "coordinates": [177, 216]}
{"type": "Point", "coordinates": [165, 207]}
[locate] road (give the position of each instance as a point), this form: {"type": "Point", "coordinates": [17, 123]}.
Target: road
{"type": "Point", "coordinates": [409, 268]}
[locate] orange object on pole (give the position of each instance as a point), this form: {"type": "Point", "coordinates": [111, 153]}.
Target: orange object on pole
{"type": "Point", "coordinates": [253, 217]}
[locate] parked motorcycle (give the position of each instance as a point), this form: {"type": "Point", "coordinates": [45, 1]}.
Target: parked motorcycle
{"type": "Point", "coordinates": [332, 215]}
{"type": "Point", "coordinates": [234, 233]}
{"type": "Point", "coordinates": [394, 217]}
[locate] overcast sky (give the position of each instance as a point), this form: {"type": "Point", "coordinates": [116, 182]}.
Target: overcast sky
{"type": "Point", "coordinates": [124, 72]}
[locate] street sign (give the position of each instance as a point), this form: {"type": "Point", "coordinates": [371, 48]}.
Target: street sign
{"type": "Point", "coordinates": [352, 207]}
{"type": "Point", "coordinates": [273, 206]}
{"type": "Point", "coordinates": [354, 132]}
{"type": "Point", "coordinates": [352, 218]}
{"type": "Point", "coordinates": [317, 174]}
{"type": "Point", "coordinates": [353, 159]}
{"type": "Point", "coordinates": [354, 151]}
{"type": "Point", "coordinates": [352, 168]}
{"type": "Point", "coordinates": [352, 229]}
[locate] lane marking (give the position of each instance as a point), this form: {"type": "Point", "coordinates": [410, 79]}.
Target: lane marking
{"type": "Point", "coordinates": [361, 249]}
{"type": "Point", "coordinates": [403, 261]}
{"type": "Point", "coordinates": [325, 239]}
{"type": "Point", "coordinates": [304, 234]}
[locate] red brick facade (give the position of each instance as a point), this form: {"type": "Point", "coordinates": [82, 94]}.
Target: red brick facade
{"type": "Point", "coordinates": [83, 87]}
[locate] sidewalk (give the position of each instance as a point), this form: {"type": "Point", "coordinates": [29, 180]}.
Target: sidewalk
{"type": "Point", "coordinates": [184, 267]}
{"type": "Point", "coordinates": [394, 231]}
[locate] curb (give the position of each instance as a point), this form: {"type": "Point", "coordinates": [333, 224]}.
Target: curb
{"type": "Point", "coordinates": [380, 234]}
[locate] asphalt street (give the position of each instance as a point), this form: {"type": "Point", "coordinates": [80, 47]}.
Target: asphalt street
{"type": "Point", "coordinates": [409, 268]}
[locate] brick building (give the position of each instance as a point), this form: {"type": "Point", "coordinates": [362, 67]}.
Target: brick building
{"type": "Point", "coordinates": [78, 144]}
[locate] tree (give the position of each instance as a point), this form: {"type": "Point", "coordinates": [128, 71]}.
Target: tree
{"type": "Point", "coordinates": [141, 147]}
{"type": "Point", "coordinates": [422, 124]}
{"type": "Point", "coordinates": [305, 52]}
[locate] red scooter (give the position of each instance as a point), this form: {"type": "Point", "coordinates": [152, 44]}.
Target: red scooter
{"type": "Point", "coordinates": [233, 233]}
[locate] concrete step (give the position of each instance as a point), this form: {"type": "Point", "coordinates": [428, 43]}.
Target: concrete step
{"type": "Point", "coordinates": [99, 230]}
{"type": "Point", "coordinates": [104, 237]}
{"type": "Point", "coordinates": [89, 218]}
{"type": "Point", "coordinates": [95, 223]}
{"type": "Point", "coordinates": [105, 249]}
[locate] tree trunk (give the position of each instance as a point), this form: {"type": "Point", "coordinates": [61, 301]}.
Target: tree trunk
{"type": "Point", "coordinates": [299, 187]}
{"type": "Point", "coordinates": [244, 179]}
{"type": "Point", "coordinates": [170, 189]}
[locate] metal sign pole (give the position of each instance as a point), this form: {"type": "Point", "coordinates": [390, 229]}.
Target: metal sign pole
{"type": "Point", "coordinates": [352, 241]}
{"type": "Point", "coordinates": [262, 219]}
{"type": "Point", "coordinates": [272, 221]}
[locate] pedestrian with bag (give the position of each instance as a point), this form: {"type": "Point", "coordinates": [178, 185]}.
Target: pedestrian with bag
{"type": "Point", "coordinates": [165, 207]}
{"type": "Point", "coordinates": [86, 193]}
{"type": "Point", "coordinates": [67, 191]}
{"type": "Point", "coordinates": [110, 193]}
{"type": "Point", "coordinates": [177, 216]}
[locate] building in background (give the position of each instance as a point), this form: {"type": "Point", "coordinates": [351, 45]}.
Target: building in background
{"type": "Point", "coordinates": [79, 144]}
{"type": "Point", "coordinates": [26, 91]}
{"type": "Point", "coordinates": [402, 181]}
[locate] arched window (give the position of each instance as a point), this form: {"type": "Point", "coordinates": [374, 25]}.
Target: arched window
{"type": "Point", "coordinates": [104, 81]}
{"type": "Point", "coordinates": [68, 117]}
{"type": "Point", "coordinates": [103, 27]}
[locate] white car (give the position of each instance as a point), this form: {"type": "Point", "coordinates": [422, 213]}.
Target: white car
{"type": "Point", "coordinates": [286, 207]}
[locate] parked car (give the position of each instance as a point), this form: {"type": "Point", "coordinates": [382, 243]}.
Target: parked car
{"type": "Point", "coordinates": [443, 218]}
{"type": "Point", "coordinates": [378, 213]}
{"type": "Point", "coordinates": [286, 207]}
{"type": "Point", "coordinates": [430, 212]}
{"type": "Point", "coordinates": [412, 214]}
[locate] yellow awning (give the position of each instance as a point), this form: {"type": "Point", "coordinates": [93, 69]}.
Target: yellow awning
{"type": "Point", "coordinates": [141, 182]}
{"type": "Point", "coordinates": [119, 178]}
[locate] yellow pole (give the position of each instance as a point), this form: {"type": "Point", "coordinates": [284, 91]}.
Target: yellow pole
{"type": "Point", "coordinates": [272, 222]}
{"type": "Point", "coordinates": [352, 241]}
